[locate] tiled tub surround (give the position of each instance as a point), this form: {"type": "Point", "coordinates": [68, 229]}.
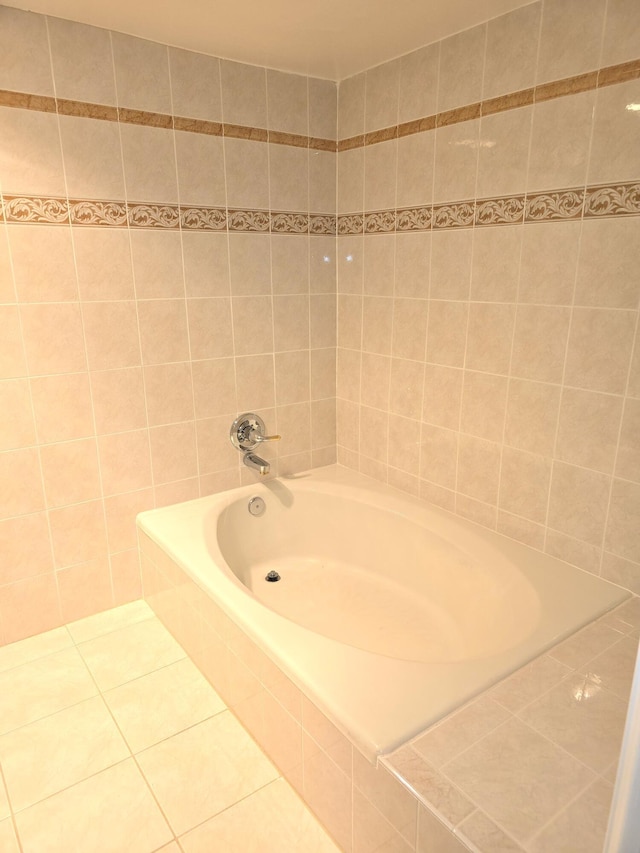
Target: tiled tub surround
{"type": "Point", "coordinates": [528, 765]}
{"type": "Point", "coordinates": [488, 346]}
{"type": "Point", "coordinates": [155, 280]}
{"type": "Point", "coordinates": [114, 741]}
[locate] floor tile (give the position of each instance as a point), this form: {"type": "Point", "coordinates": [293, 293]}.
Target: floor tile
{"type": "Point", "coordinates": [111, 812]}
{"type": "Point", "coordinates": [163, 703]}
{"type": "Point", "coordinates": [130, 652]}
{"type": "Point", "coordinates": [42, 687]}
{"type": "Point", "coordinates": [582, 826]}
{"type": "Point", "coordinates": [614, 668]}
{"type": "Point", "coordinates": [205, 769]}
{"type": "Point", "coordinates": [520, 779]}
{"type": "Point", "coordinates": [53, 753]}
{"type": "Point", "coordinates": [8, 842]}
{"type": "Point", "coordinates": [110, 620]}
{"type": "Point", "coordinates": [271, 820]}
{"type": "Point", "coordinates": [583, 718]}
{"type": "Point", "coordinates": [32, 648]}
{"type": "Point", "coordinates": [170, 848]}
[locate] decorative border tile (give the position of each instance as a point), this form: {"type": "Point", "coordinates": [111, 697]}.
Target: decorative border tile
{"type": "Point", "coordinates": [552, 206]}
{"type": "Point", "coordinates": [33, 210]}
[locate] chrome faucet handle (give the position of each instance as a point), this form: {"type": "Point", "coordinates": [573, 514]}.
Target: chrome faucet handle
{"type": "Point", "coordinates": [247, 431]}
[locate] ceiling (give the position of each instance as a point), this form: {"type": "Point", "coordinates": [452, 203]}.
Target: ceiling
{"type": "Point", "coordinates": [328, 38]}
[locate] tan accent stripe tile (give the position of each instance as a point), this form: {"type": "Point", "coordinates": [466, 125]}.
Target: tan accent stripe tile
{"type": "Point", "coordinates": [619, 73]}
{"type": "Point", "coordinates": [383, 135]}
{"type": "Point", "coordinates": [459, 114]}
{"type": "Point", "coordinates": [523, 98]}
{"type": "Point", "coordinates": [323, 144]}
{"type": "Point", "coordinates": [80, 109]}
{"type": "Point", "coordinates": [419, 125]}
{"type": "Point", "coordinates": [351, 143]}
{"type": "Point", "coordinates": [568, 86]}
{"type": "Point", "coordinates": [277, 137]}
{"type": "Point", "coordinates": [239, 131]}
{"type": "Point", "coordinates": [22, 100]}
{"type": "Point", "coordinates": [147, 119]}
{"type": "Point", "coordinates": [197, 125]}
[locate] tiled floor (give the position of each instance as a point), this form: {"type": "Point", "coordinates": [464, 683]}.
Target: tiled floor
{"type": "Point", "coordinates": [111, 740]}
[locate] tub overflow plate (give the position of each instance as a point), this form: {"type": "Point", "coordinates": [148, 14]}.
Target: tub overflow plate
{"type": "Point", "coordinates": [257, 506]}
{"type": "Point", "coordinates": [272, 576]}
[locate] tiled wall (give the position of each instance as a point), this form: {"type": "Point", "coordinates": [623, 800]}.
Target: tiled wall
{"type": "Point", "coordinates": [488, 279]}
{"type": "Point", "coordinates": [157, 276]}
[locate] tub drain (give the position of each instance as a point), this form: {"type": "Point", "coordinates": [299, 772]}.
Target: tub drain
{"type": "Point", "coordinates": [272, 577]}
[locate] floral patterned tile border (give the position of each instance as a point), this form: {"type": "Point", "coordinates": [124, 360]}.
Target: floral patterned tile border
{"type": "Point", "coordinates": [554, 205]}
{"type": "Point", "coordinates": [35, 210]}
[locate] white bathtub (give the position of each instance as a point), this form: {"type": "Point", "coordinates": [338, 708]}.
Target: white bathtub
{"type": "Point", "coordinates": [389, 612]}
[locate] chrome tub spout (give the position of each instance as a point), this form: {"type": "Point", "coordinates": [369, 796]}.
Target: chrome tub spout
{"type": "Point", "coordinates": [251, 460]}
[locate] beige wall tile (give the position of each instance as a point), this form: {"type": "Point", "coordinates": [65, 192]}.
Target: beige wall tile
{"type": "Point", "coordinates": [387, 794]}
{"type": "Point", "coordinates": [215, 451]}
{"type": "Point", "coordinates": [419, 83]}
{"type": "Point", "coordinates": [583, 823]}
{"type": "Point", "coordinates": [512, 46]}
{"type": "Point", "coordinates": [244, 94]}
{"type": "Point", "coordinates": [438, 456]}
{"type": "Point", "coordinates": [26, 546]}
{"type": "Point", "coordinates": [43, 264]}
{"type": "Point", "coordinates": [70, 472]}
{"type": "Point", "coordinates": [62, 407]}
{"type": "Point", "coordinates": [323, 423]}
{"type": "Point", "coordinates": [250, 263]}
{"type": "Point", "coordinates": [21, 473]}
{"type": "Point", "coordinates": [322, 181]}
{"type": "Point", "coordinates": [85, 589]}
{"type": "Point", "coordinates": [103, 263]}
{"type": "Point", "coordinates": [377, 325]}
{"type": "Point", "coordinates": [489, 337]}
{"type": "Point", "coordinates": [375, 377]}
{"type": "Point", "coordinates": [351, 181]}
{"type": "Point", "coordinates": [247, 173]}
{"type": "Point", "coordinates": [157, 264]}
{"type": "Point", "coordinates": [461, 68]}
{"type": "Point", "coordinates": [614, 134]}
{"type": "Point", "coordinates": [64, 353]}
{"type": "Point", "coordinates": [287, 102]}
{"type": "Point", "coordinates": [173, 452]}
{"type": "Point", "coordinates": [323, 255]}
{"type": "Point", "coordinates": [504, 152]}
{"type": "Point", "coordinates": [607, 277]}
{"type": "Point", "coordinates": [549, 261]}
{"type": "Point", "coordinates": [478, 469]}
{"type": "Point", "coordinates": [588, 429]}
{"type": "Point", "coordinates": [210, 333]}
{"type": "Point", "coordinates": [446, 333]}
{"type": "Point", "coordinates": [39, 169]}
{"type": "Point", "coordinates": [350, 252]}
{"type": "Point", "coordinates": [381, 96]}
{"type": "Point", "coordinates": [82, 62]}
{"type": "Point", "coordinates": [163, 331]}
{"type": "Point", "coordinates": [379, 252]}
{"type": "Point", "coordinates": [496, 263]}
{"type": "Point", "coordinates": [628, 458]}
{"type": "Point", "coordinates": [323, 317]}
{"type": "Point", "coordinates": [532, 416]}
{"type": "Point", "coordinates": [621, 32]}
{"type": "Point", "coordinates": [206, 264]}
{"type": "Point", "coordinates": [288, 178]}
{"type": "Point", "coordinates": [24, 43]}
{"type": "Point", "coordinates": [328, 792]}
{"type": "Point", "coordinates": [292, 377]}
{"type": "Point", "coordinates": [560, 142]}
{"type": "Point", "coordinates": [434, 835]}
{"type": "Point", "coordinates": [416, 158]}
{"type": "Point", "coordinates": [323, 108]}
{"type": "Point", "coordinates": [578, 502]}
{"type": "Point", "coordinates": [120, 517]}
{"type": "Point", "coordinates": [380, 165]}
{"type": "Point", "coordinates": [132, 446]}
{"type": "Point", "coordinates": [195, 85]}
{"type": "Point", "coordinates": [456, 165]}
{"type": "Point", "coordinates": [484, 400]}
{"type": "Point", "coordinates": [118, 400]}
{"type": "Point", "coordinates": [409, 328]}
{"type": "Point", "coordinates": [142, 73]}
{"type": "Point", "coordinates": [451, 264]}
{"type": "Point", "coordinates": [12, 354]}
{"type": "Point", "coordinates": [169, 393]}
{"type": "Point", "coordinates": [7, 289]}
{"type": "Point", "coordinates": [406, 385]}
{"type": "Point", "coordinates": [570, 38]}
{"type": "Point", "coordinates": [200, 163]}
{"type": "Point", "coordinates": [351, 94]}
{"type": "Point", "coordinates": [29, 607]}
{"type": "Point", "coordinates": [214, 388]}
{"type": "Point", "coordinates": [255, 382]}
{"type": "Point", "coordinates": [599, 349]}
{"type": "Point", "coordinates": [291, 322]}
{"type": "Point", "coordinates": [111, 333]}
{"type": "Point", "coordinates": [149, 163]}
{"type": "Point", "coordinates": [92, 158]}
{"type": "Point", "coordinates": [524, 484]}
{"type": "Point", "coordinates": [17, 428]}
{"type": "Point", "coordinates": [350, 310]}
{"type": "Point", "coordinates": [125, 576]}
{"type": "Point", "coordinates": [442, 396]}
{"type": "Point", "coordinates": [539, 343]}
{"type": "Point", "coordinates": [323, 373]}
{"type": "Point", "coordinates": [622, 530]}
